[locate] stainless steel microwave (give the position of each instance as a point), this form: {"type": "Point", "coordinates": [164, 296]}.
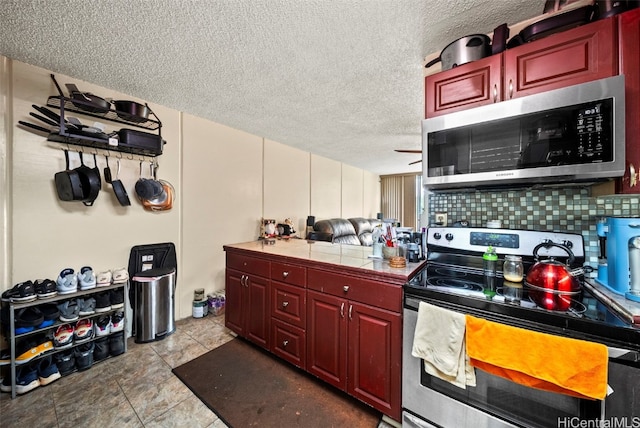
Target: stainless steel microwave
{"type": "Point", "coordinates": [568, 135]}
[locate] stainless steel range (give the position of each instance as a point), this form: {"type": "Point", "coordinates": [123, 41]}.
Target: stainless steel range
{"type": "Point", "coordinates": [453, 279]}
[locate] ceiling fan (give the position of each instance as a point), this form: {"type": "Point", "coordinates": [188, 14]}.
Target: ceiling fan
{"type": "Point", "coordinates": [410, 151]}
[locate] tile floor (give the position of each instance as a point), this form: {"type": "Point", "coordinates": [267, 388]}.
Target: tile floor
{"type": "Point", "coordinates": [136, 389]}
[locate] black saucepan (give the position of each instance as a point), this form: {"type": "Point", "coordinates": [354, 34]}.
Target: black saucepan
{"type": "Point", "coordinates": [131, 110]}
{"type": "Point", "coordinates": [68, 183]}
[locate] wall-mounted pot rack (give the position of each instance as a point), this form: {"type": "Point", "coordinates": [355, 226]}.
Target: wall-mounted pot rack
{"type": "Point", "coordinates": [68, 135]}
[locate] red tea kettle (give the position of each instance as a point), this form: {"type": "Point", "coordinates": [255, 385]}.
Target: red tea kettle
{"type": "Point", "coordinates": [551, 283]}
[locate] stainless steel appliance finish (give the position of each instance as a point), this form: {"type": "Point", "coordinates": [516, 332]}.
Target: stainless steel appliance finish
{"type": "Point", "coordinates": [568, 135]}
{"type": "Point", "coordinates": [452, 279]}
{"type": "Point", "coordinates": [154, 304]}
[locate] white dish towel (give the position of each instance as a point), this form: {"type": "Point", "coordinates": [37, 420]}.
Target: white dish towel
{"type": "Point", "coordinates": [439, 341]}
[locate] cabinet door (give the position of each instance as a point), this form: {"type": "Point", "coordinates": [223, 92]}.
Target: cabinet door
{"type": "Point", "coordinates": [257, 312]}
{"type": "Point", "coordinates": [630, 67]}
{"type": "Point", "coordinates": [574, 56]}
{"type": "Point", "coordinates": [374, 357]}
{"type": "Point", "coordinates": [234, 305]}
{"type": "Point", "coordinates": [469, 85]}
{"type": "Point", "coordinates": [327, 338]}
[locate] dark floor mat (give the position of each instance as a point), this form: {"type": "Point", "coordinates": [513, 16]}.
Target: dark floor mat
{"type": "Point", "coordinates": [248, 387]}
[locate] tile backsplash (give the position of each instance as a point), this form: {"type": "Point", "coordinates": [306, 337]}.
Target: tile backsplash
{"type": "Point", "coordinates": [561, 210]}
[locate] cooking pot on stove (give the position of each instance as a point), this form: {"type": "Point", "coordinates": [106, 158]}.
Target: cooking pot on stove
{"type": "Point", "coordinates": [551, 284]}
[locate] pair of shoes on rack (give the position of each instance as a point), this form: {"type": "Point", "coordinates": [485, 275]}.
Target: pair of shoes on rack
{"type": "Point", "coordinates": [21, 292]}
{"type": "Point", "coordinates": [70, 282]}
{"type": "Point", "coordinates": [105, 325]}
{"type": "Point", "coordinates": [79, 358]}
{"type": "Point", "coordinates": [108, 346]}
{"type": "Point", "coordinates": [117, 276]}
{"type": "Point", "coordinates": [108, 300]}
{"type": "Point", "coordinates": [31, 376]}
{"type": "Point", "coordinates": [71, 310]}
{"type": "Point", "coordinates": [68, 335]}
{"type": "Point", "coordinates": [28, 349]}
{"type": "Point", "coordinates": [30, 318]}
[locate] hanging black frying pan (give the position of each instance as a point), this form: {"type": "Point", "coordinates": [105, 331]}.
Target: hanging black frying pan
{"type": "Point", "coordinates": [119, 190]}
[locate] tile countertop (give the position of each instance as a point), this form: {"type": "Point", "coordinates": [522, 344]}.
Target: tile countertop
{"type": "Point", "coordinates": [348, 258]}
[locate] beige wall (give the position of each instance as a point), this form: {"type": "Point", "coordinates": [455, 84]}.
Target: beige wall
{"type": "Point", "coordinates": [225, 180]}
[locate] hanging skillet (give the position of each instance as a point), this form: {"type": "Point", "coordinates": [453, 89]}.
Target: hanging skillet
{"type": "Point", "coordinates": [119, 190]}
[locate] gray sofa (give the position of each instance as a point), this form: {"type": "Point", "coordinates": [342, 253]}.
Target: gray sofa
{"type": "Point", "coordinates": [352, 231]}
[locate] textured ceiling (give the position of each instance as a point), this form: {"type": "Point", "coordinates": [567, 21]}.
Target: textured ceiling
{"type": "Point", "coordinates": [339, 78]}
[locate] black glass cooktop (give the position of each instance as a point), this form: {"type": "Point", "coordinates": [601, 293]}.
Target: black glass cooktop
{"type": "Point", "coordinates": [463, 290]}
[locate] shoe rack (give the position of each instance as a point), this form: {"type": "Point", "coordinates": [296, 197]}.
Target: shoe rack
{"type": "Point", "coordinates": [16, 306]}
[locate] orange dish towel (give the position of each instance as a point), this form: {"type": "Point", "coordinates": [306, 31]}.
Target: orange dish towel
{"type": "Point", "coordinates": [543, 361]}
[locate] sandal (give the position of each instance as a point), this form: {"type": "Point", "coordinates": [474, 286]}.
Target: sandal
{"type": "Point", "coordinates": [45, 288]}
{"type": "Point", "coordinates": [21, 292]}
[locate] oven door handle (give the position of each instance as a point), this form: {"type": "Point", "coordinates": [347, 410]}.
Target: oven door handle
{"type": "Point", "coordinates": [408, 420]}
{"type": "Point", "coordinates": [619, 354]}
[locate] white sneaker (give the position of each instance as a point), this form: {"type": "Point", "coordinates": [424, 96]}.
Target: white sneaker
{"type": "Point", "coordinates": [120, 276]}
{"type": "Point", "coordinates": [103, 279]}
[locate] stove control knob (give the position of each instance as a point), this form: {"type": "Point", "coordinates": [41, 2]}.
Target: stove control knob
{"type": "Point", "coordinates": [449, 237]}
{"type": "Point", "coordinates": [568, 244]}
{"type": "Point", "coordinates": [437, 235]}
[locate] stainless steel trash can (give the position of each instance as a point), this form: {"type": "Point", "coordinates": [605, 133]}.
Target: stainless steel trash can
{"type": "Point", "coordinates": [154, 304]}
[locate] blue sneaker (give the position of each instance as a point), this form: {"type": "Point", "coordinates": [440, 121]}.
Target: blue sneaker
{"type": "Point", "coordinates": [47, 371]}
{"type": "Point", "coordinates": [67, 282]}
{"type": "Point", "coordinates": [26, 379]}
{"type": "Point", "coordinates": [86, 278]}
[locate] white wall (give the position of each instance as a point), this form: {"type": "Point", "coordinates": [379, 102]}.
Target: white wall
{"type": "Point", "coordinates": [226, 180]}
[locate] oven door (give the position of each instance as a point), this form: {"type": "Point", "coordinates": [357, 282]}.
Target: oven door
{"type": "Point", "coordinates": [493, 402]}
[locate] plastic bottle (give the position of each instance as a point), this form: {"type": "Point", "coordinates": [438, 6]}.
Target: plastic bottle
{"type": "Point", "coordinates": [489, 263]}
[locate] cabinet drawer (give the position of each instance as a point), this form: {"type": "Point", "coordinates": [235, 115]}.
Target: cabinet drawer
{"type": "Point", "coordinates": [379, 294]}
{"type": "Point", "coordinates": [288, 342]}
{"type": "Point", "coordinates": [289, 274]}
{"type": "Point", "coordinates": [248, 264]}
{"type": "Point", "coordinates": [288, 303]}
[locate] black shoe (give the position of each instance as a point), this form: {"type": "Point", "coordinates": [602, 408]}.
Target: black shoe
{"type": "Point", "coordinates": [28, 317]}
{"type": "Point", "coordinates": [66, 362]}
{"type": "Point", "coordinates": [84, 356]}
{"type": "Point", "coordinates": [22, 292]}
{"type": "Point", "coordinates": [103, 302]}
{"type": "Point", "coordinates": [50, 313]}
{"type": "Point", "coordinates": [101, 349]}
{"type": "Point", "coordinates": [45, 288]}
{"type": "Point", "coordinates": [116, 297]}
{"type": "Point", "coordinates": [116, 344]}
